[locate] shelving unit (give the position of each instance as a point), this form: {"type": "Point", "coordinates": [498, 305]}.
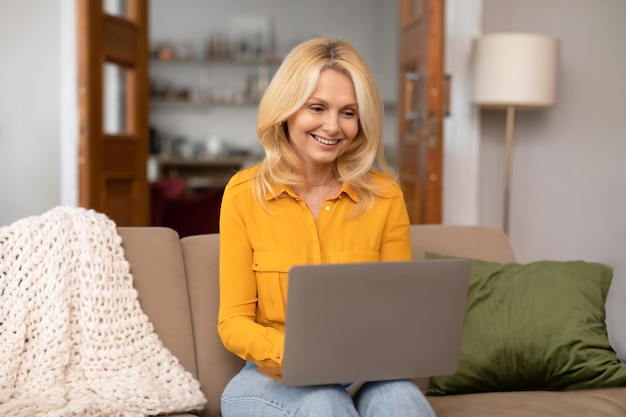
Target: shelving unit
{"type": "Point", "coordinates": [187, 84]}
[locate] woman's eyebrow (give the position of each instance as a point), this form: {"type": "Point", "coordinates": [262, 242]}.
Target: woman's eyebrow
{"type": "Point", "coordinates": [313, 98]}
{"type": "Point", "coordinates": [324, 102]}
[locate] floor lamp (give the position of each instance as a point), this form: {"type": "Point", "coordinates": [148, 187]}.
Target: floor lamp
{"type": "Point", "coordinates": [513, 71]}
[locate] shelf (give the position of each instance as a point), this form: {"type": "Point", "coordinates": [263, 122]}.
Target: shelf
{"type": "Point", "coordinates": [224, 62]}
{"type": "Point", "coordinates": [197, 105]}
{"type": "Point", "coordinates": [177, 90]}
{"type": "Point", "coordinates": [174, 104]}
{"type": "Point", "coordinates": [191, 105]}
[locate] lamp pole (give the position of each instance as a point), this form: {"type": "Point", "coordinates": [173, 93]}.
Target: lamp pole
{"type": "Point", "coordinates": [510, 127]}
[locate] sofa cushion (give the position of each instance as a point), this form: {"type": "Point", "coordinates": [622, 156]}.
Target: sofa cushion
{"type": "Point", "coordinates": [535, 326]}
{"type": "Point", "coordinates": [216, 365]}
{"type": "Point", "coordinates": [156, 262]}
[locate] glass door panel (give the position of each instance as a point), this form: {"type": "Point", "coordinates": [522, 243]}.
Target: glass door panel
{"type": "Point", "coordinates": [116, 8]}
{"type": "Point", "coordinates": [114, 103]}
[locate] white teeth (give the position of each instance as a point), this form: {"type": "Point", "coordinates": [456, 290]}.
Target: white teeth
{"type": "Point", "coordinates": [325, 141]}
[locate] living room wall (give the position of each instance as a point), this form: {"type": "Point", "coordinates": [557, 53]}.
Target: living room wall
{"type": "Point", "coordinates": [30, 94]}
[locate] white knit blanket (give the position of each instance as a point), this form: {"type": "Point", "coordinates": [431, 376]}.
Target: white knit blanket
{"type": "Point", "coordinates": [73, 338]}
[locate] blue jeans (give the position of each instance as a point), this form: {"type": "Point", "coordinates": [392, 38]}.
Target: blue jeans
{"type": "Point", "coordinates": [251, 393]}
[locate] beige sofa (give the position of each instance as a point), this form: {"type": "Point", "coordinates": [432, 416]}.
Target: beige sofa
{"type": "Point", "coordinates": [177, 281]}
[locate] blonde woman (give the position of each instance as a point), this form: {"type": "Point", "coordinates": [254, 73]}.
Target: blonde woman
{"type": "Point", "coordinates": [315, 198]}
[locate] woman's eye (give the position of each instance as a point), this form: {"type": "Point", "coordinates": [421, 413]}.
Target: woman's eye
{"type": "Point", "coordinates": [349, 113]}
{"type": "Point", "coordinates": [316, 109]}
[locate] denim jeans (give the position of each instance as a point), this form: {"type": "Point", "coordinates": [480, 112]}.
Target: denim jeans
{"type": "Point", "coordinates": [251, 393]}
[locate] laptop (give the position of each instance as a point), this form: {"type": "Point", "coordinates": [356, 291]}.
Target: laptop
{"type": "Point", "coordinates": [373, 321]}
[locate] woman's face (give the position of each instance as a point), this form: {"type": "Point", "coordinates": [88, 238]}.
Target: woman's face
{"type": "Point", "coordinates": [323, 128]}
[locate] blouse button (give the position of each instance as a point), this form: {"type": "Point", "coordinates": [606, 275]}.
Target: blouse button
{"type": "Point", "coordinates": [327, 208]}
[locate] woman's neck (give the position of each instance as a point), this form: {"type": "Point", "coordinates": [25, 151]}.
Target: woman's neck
{"type": "Point", "coordinates": [321, 183]}
{"type": "Point", "coordinates": [320, 177]}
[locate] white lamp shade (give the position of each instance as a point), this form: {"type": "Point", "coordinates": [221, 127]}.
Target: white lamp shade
{"type": "Point", "coordinates": [515, 69]}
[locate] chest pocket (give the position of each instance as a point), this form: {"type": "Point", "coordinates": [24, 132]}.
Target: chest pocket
{"type": "Point", "coordinates": [271, 270]}
{"type": "Point", "coordinates": [353, 256]}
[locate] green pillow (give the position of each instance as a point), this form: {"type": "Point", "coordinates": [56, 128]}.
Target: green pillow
{"type": "Point", "coordinates": [538, 326]}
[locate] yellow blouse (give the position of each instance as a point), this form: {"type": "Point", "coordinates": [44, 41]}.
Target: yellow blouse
{"type": "Point", "coordinates": [258, 247]}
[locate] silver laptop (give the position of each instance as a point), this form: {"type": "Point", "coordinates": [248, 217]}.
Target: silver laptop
{"type": "Point", "coordinates": [373, 321]}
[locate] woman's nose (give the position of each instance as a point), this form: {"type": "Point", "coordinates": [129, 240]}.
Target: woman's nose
{"type": "Point", "coordinates": [331, 124]}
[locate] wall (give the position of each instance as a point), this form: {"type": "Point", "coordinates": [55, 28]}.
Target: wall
{"type": "Point", "coordinates": [461, 129]}
{"type": "Point", "coordinates": [30, 115]}
{"type": "Point", "coordinates": [569, 162]}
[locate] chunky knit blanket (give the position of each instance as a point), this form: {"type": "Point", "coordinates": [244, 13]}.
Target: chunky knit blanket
{"type": "Point", "coordinates": [73, 338]}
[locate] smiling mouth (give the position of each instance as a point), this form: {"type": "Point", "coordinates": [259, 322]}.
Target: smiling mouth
{"type": "Point", "coordinates": [325, 141]}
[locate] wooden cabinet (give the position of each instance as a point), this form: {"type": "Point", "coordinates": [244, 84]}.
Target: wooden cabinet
{"type": "Point", "coordinates": [200, 174]}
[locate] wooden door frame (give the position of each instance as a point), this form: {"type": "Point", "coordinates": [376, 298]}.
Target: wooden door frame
{"type": "Point", "coordinates": [421, 152]}
{"type": "Point", "coordinates": [113, 161]}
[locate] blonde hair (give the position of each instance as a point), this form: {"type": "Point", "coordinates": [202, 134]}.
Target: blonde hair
{"type": "Point", "coordinates": [293, 83]}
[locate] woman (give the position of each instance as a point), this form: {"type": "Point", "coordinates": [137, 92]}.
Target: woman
{"type": "Point", "coordinates": [314, 199]}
